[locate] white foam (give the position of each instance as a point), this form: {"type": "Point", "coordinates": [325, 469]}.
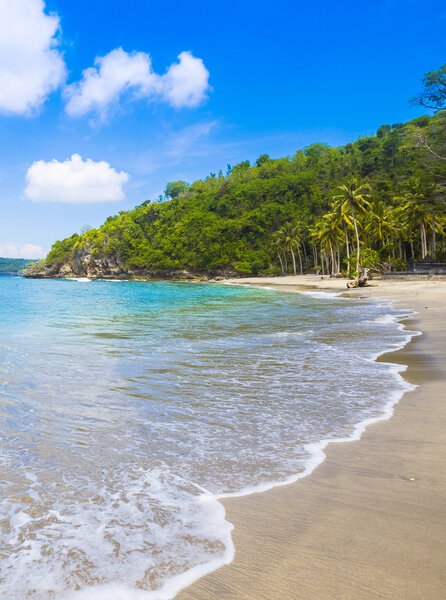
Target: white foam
{"type": "Point", "coordinates": [85, 526]}
{"type": "Point", "coordinates": [119, 591]}
{"type": "Point", "coordinates": [312, 293]}
{"type": "Point", "coordinates": [317, 455]}
{"type": "Point", "coordinates": [316, 450]}
{"type": "Point", "coordinates": [286, 334]}
{"type": "Point", "coordinates": [322, 294]}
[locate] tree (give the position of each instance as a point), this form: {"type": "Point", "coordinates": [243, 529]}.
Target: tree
{"type": "Point", "coordinates": [241, 168]}
{"type": "Point", "coordinates": [329, 234]}
{"type": "Point", "coordinates": [434, 92]}
{"type": "Point", "coordinates": [224, 223]}
{"type": "Point", "coordinates": [419, 205]}
{"type": "Point", "coordinates": [277, 245]}
{"type": "Point", "coordinates": [289, 237]}
{"type": "Point", "coordinates": [353, 195]}
{"type": "Point", "coordinates": [381, 222]}
{"type": "Point", "coordinates": [175, 188]}
{"type": "Point", "coordinates": [263, 158]}
{"type": "Point", "coordinates": [433, 96]}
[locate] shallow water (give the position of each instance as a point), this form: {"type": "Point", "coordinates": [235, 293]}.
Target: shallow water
{"type": "Point", "coordinates": [127, 408]}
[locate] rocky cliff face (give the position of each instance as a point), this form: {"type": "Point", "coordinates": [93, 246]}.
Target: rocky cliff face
{"type": "Point", "coordinates": [84, 264]}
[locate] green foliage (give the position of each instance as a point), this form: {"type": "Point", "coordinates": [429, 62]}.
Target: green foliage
{"type": "Point", "coordinates": [263, 158]}
{"type": "Point", "coordinates": [370, 259]}
{"type": "Point", "coordinates": [62, 250]}
{"type": "Point", "coordinates": [175, 188]}
{"type": "Point", "coordinates": [14, 265]}
{"type": "Point", "coordinates": [434, 92]}
{"type": "Point", "coordinates": [229, 221]}
{"type": "Point", "coordinates": [399, 265]}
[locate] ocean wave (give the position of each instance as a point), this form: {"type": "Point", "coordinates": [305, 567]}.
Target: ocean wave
{"type": "Point", "coordinates": [197, 393]}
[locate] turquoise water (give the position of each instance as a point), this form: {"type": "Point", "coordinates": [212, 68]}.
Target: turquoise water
{"type": "Point", "coordinates": [128, 408]}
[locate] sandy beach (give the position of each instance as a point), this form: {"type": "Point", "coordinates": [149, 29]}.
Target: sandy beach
{"type": "Point", "coordinates": [369, 523]}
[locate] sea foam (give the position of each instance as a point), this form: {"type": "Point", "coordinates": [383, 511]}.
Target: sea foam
{"type": "Point", "coordinates": [190, 394]}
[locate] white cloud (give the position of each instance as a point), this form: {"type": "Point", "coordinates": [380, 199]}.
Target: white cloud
{"type": "Point", "coordinates": [13, 250]}
{"type": "Point", "coordinates": [74, 181]}
{"type": "Point", "coordinates": [112, 75]}
{"type": "Point", "coordinates": [184, 84]}
{"type": "Point", "coordinates": [31, 67]}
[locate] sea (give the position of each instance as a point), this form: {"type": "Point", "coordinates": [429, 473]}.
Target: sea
{"type": "Point", "coordinates": [130, 409]}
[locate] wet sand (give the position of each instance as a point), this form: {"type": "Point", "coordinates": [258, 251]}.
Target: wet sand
{"type": "Point", "coordinates": [370, 522]}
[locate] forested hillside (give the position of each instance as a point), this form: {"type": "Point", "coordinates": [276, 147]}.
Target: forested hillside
{"type": "Point", "coordinates": [379, 200]}
{"type": "Point", "coordinates": [14, 265]}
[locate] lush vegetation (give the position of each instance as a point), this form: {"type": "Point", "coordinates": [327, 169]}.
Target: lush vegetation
{"type": "Point", "coordinates": [14, 265]}
{"type": "Point", "coordinates": [379, 201]}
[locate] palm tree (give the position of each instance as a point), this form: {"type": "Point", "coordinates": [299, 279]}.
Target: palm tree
{"type": "Point", "coordinates": [322, 234]}
{"type": "Point", "coordinates": [290, 238]}
{"type": "Point", "coordinates": [352, 196]}
{"type": "Point", "coordinates": [417, 210]}
{"type": "Point", "coordinates": [299, 237]}
{"type": "Point", "coordinates": [332, 223]}
{"type": "Point", "coordinates": [314, 235]}
{"type": "Point", "coordinates": [381, 222]}
{"type": "Point", "coordinates": [278, 246]}
{"type": "Point", "coordinates": [346, 222]}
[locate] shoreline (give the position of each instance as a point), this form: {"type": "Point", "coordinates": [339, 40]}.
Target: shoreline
{"type": "Point", "coordinates": [272, 562]}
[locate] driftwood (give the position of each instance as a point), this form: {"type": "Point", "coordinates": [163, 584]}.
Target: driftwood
{"type": "Point", "coordinates": [361, 280]}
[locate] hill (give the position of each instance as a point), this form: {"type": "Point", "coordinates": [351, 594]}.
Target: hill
{"type": "Point", "coordinates": [14, 265]}
{"type": "Point", "coordinates": [377, 201]}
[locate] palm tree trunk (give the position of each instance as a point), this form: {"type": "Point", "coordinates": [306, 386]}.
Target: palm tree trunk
{"type": "Point", "coordinates": [294, 259]}
{"type": "Point", "coordinates": [281, 262]}
{"type": "Point", "coordinates": [300, 260]}
{"type": "Point", "coordinates": [332, 260]}
{"type": "Point", "coordinates": [347, 242]}
{"type": "Point", "coordinates": [305, 254]}
{"type": "Point", "coordinates": [286, 262]}
{"type": "Point", "coordinates": [357, 237]}
{"type": "Point", "coordinates": [423, 240]}
{"type": "Point", "coordinates": [338, 267]}
{"type": "Point", "coordinates": [434, 239]}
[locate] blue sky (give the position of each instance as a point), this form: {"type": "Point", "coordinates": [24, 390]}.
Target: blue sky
{"type": "Point", "coordinates": [252, 78]}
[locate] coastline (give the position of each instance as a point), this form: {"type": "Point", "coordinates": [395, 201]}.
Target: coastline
{"type": "Point", "coordinates": [368, 521]}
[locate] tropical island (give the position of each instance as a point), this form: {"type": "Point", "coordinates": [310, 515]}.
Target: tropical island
{"type": "Point", "coordinates": [376, 202]}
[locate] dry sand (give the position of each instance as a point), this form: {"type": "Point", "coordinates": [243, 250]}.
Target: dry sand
{"type": "Point", "coordinates": [369, 522]}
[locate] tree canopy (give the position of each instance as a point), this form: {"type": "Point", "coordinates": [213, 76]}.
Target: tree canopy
{"type": "Point", "coordinates": [434, 92]}
{"type": "Point", "coordinates": [14, 265]}
{"type": "Point", "coordinates": [380, 197]}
